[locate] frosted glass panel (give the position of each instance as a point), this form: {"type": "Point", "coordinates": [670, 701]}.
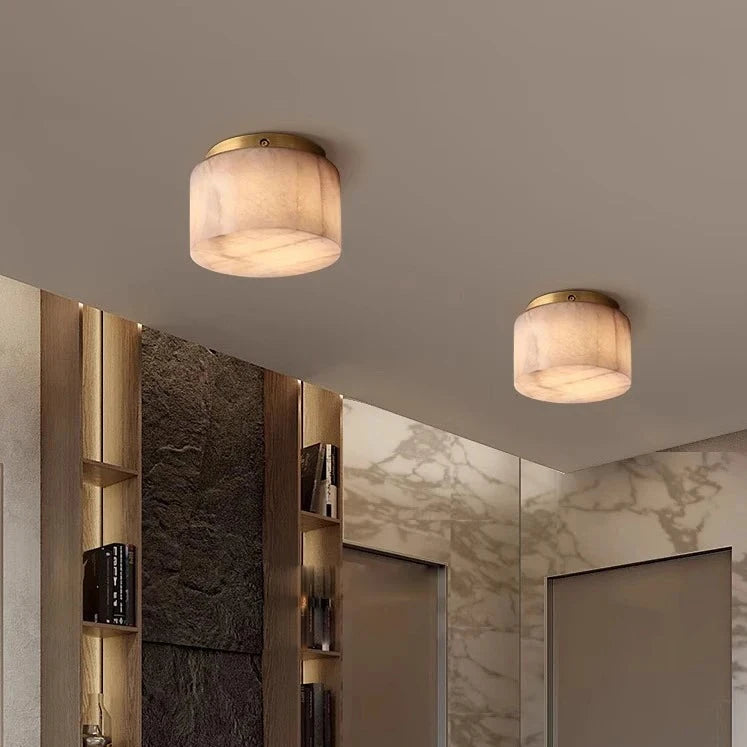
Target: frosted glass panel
{"type": "Point", "coordinates": [391, 651]}
{"type": "Point", "coordinates": [641, 655]}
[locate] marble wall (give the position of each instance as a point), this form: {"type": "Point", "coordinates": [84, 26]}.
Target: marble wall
{"type": "Point", "coordinates": [19, 455]}
{"type": "Point", "coordinates": [639, 509]}
{"type": "Point", "coordinates": [203, 491]}
{"type": "Point", "coordinates": [417, 491]}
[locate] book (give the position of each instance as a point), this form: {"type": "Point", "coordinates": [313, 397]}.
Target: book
{"type": "Point", "coordinates": [130, 595]}
{"type": "Point", "coordinates": [311, 476]}
{"type": "Point", "coordinates": [329, 734]}
{"type": "Point", "coordinates": [109, 586]}
{"type": "Point", "coordinates": [317, 691]}
{"type": "Point", "coordinates": [307, 716]}
{"type": "Point", "coordinates": [320, 479]}
{"type": "Point", "coordinates": [317, 608]}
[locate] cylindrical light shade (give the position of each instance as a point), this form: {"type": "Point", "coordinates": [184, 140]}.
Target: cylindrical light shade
{"type": "Point", "coordinates": [572, 346]}
{"type": "Point", "coordinates": [265, 205]}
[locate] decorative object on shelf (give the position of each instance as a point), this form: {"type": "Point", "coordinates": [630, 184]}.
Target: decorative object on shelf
{"type": "Point", "coordinates": [317, 716]}
{"type": "Point", "coordinates": [572, 346]}
{"type": "Point", "coordinates": [109, 586]}
{"type": "Point", "coordinates": [317, 607]}
{"type": "Point", "coordinates": [319, 479]}
{"type": "Point", "coordinates": [265, 205]}
{"type": "Point", "coordinates": [97, 725]}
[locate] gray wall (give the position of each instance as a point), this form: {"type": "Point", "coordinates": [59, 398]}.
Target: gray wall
{"type": "Point", "coordinates": [19, 453]}
{"type": "Point", "coordinates": [203, 490]}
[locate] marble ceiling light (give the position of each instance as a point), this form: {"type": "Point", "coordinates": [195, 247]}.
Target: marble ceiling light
{"type": "Point", "coordinates": [572, 346]}
{"type": "Point", "coordinates": [265, 205]}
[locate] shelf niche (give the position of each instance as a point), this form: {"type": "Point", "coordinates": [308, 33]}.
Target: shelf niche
{"type": "Point", "coordinates": [296, 415]}
{"type": "Point", "coordinates": [90, 497]}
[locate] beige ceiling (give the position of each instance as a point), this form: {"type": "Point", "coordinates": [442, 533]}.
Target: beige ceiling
{"type": "Point", "coordinates": [490, 151]}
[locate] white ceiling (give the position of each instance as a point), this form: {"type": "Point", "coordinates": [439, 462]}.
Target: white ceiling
{"type": "Point", "coordinates": [490, 151]}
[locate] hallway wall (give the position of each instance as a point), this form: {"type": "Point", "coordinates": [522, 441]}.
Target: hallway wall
{"type": "Point", "coordinates": [421, 492]}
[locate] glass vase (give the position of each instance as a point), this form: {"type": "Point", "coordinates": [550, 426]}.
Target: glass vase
{"type": "Point", "coordinates": [97, 723]}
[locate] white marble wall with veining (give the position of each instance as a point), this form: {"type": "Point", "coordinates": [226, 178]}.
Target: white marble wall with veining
{"type": "Point", "coordinates": [418, 491]}
{"type": "Point", "coordinates": [19, 454]}
{"type": "Point", "coordinates": [639, 509]}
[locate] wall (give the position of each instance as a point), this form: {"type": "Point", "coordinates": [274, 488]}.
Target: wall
{"type": "Point", "coordinates": [19, 453]}
{"type": "Point", "coordinates": [650, 507]}
{"type": "Point", "coordinates": [418, 491]}
{"type": "Point", "coordinates": [203, 487]}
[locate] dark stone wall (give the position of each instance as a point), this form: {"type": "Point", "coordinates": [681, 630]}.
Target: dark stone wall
{"type": "Point", "coordinates": [203, 490]}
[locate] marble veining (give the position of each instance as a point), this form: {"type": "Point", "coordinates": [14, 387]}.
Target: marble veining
{"type": "Point", "coordinates": [421, 492]}
{"type": "Point", "coordinates": [649, 507]}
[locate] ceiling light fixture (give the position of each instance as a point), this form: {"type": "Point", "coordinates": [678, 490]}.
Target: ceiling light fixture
{"type": "Point", "coordinates": [265, 205]}
{"type": "Point", "coordinates": [572, 346]}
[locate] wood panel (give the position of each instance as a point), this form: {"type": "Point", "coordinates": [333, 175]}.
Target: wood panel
{"type": "Point", "coordinates": [91, 370]}
{"type": "Point", "coordinates": [322, 423]}
{"type": "Point", "coordinates": [121, 516]}
{"type": "Point", "coordinates": [61, 530]}
{"type": "Point", "coordinates": [121, 392]}
{"type": "Point", "coordinates": [322, 411]}
{"type": "Point", "coordinates": [282, 559]}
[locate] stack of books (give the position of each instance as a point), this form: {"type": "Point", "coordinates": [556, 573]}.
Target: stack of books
{"type": "Point", "coordinates": [317, 716]}
{"type": "Point", "coordinates": [320, 478]}
{"type": "Point", "coordinates": [109, 584]}
{"type": "Point", "coordinates": [317, 608]}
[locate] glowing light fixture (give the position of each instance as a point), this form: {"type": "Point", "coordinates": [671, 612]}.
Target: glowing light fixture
{"type": "Point", "coordinates": [572, 346]}
{"type": "Point", "coordinates": [265, 205]}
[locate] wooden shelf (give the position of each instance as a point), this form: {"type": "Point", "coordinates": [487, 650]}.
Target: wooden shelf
{"type": "Point", "coordinates": [308, 654]}
{"type": "Point", "coordinates": [311, 521]}
{"type": "Point", "coordinates": [102, 474]}
{"type": "Point", "coordinates": [104, 630]}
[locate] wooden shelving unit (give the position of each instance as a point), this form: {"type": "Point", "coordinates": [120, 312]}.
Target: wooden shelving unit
{"type": "Point", "coordinates": [91, 496]}
{"type": "Point", "coordinates": [297, 415]}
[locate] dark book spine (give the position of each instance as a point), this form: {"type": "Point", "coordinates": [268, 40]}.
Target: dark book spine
{"type": "Point", "coordinates": [90, 586]}
{"type": "Point", "coordinates": [130, 588]}
{"type": "Point", "coordinates": [318, 693]}
{"type": "Point", "coordinates": [309, 716]}
{"type": "Point", "coordinates": [105, 585]}
{"type": "Point", "coordinates": [303, 716]}
{"type": "Point", "coordinates": [329, 733]}
{"type": "Point", "coordinates": [118, 616]}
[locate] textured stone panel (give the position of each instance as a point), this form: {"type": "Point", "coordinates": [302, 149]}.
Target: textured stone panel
{"type": "Point", "coordinates": [203, 485]}
{"type": "Point", "coordinates": [195, 697]}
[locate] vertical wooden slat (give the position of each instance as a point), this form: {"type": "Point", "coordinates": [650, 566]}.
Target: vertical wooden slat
{"type": "Point", "coordinates": [91, 662]}
{"type": "Point", "coordinates": [121, 520]}
{"type": "Point", "coordinates": [91, 372]}
{"type": "Point", "coordinates": [121, 392]}
{"type": "Point", "coordinates": [61, 588]}
{"type": "Point", "coordinates": [282, 559]}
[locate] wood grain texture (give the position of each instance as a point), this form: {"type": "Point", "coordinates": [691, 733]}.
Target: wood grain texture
{"type": "Point", "coordinates": [322, 416]}
{"type": "Point", "coordinates": [102, 475]}
{"type": "Point", "coordinates": [61, 588]}
{"type": "Point", "coordinates": [91, 320]}
{"type": "Point", "coordinates": [121, 516]}
{"type": "Point", "coordinates": [322, 423]}
{"type": "Point", "coordinates": [121, 392]}
{"type": "Point", "coordinates": [282, 559]}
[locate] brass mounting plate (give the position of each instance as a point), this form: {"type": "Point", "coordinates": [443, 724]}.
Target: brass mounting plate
{"type": "Point", "coordinates": [266, 140]}
{"type": "Point", "coordinates": [570, 296]}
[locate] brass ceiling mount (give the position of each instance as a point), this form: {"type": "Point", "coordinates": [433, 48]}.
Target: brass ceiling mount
{"type": "Point", "coordinates": [266, 140]}
{"type": "Point", "coordinates": [565, 296]}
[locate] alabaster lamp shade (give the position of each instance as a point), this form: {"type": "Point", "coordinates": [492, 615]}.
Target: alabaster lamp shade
{"type": "Point", "coordinates": [265, 205]}
{"type": "Point", "coordinates": [572, 346]}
